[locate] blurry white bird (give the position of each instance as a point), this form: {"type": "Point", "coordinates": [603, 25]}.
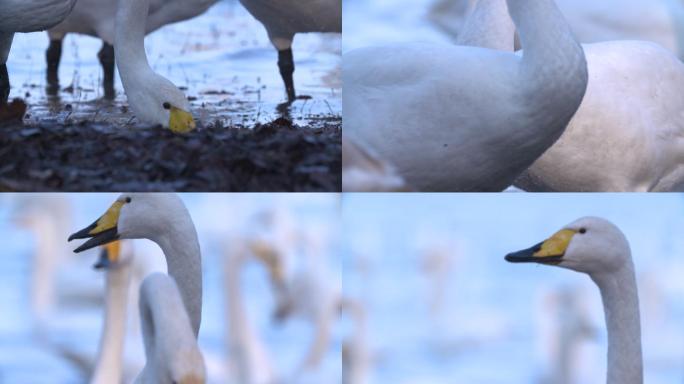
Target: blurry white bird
{"type": "Point", "coordinates": [96, 18]}
{"type": "Point", "coordinates": [356, 358]}
{"type": "Point", "coordinates": [170, 305]}
{"type": "Point", "coordinates": [283, 19]}
{"type": "Point", "coordinates": [247, 353]}
{"type": "Point", "coordinates": [454, 118]}
{"type": "Point", "coordinates": [598, 248]}
{"type": "Point", "coordinates": [26, 16]}
{"type": "Point", "coordinates": [564, 328]}
{"type": "Point", "coordinates": [627, 135]}
{"type": "Point", "coordinates": [658, 21]}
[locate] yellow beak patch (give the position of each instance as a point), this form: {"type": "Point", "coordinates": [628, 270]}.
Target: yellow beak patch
{"type": "Point", "coordinates": [556, 245]}
{"type": "Point", "coordinates": [109, 220]}
{"type": "Point", "coordinates": [113, 251]}
{"type": "Point", "coordinates": [180, 121]}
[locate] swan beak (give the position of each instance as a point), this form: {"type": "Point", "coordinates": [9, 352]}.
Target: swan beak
{"type": "Point", "coordinates": [109, 254]}
{"type": "Point", "coordinates": [180, 121]}
{"type": "Point", "coordinates": [550, 251]}
{"type": "Point", "coordinates": [102, 231]}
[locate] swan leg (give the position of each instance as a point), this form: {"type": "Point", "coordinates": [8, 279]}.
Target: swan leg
{"type": "Point", "coordinates": [53, 55]}
{"type": "Point", "coordinates": [106, 56]}
{"type": "Point", "coordinates": [287, 68]}
{"type": "Point", "coordinates": [4, 84]}
{"type": "Point", "coordinates": [5, 45]}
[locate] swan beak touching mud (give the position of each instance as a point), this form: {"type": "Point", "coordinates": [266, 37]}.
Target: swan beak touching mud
{"type": "Point", "coordinates": [103, 231]}
{"type": "Point", "coordinates": [180, 121]}
{"type": "Point", "coordinates": [550, 251]}
{"type": "Point", "coordinates": [109, 255]}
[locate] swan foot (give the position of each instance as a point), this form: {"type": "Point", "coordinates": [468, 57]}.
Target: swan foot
{"type": "Point", "coordinates": [106, 56]}
{"type": "Point", "coordinates": [4, 84]}
{"type": "Point", "coordinates": [287, 68]}
{"type": "Point", "coordinates": [53, 55]}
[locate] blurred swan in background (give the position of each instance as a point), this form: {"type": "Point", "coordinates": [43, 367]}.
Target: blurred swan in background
{"type": "Point", "coordinates": [356, 357]}
{"type": "Point", "coordinates": [658, 21]}
{"type": "Point", "coordinates": [247, 353]}
{"type": "Point", "coordinates": [96, 18]}
{"type": "Point", "coordinates": [170, 305]}
{"type": "Point", "coordinates": [565, 326]}
{"type": "Point", "coordinates": [26, 16]}
{"type": "Point", "coordinates": [450, 118]}
{"type": "Point", "coordinates": [153, 98]}
{"type": "Point", "coordinates": [283, 19]}
{"type": "Point", "coordinates": [598, 248]}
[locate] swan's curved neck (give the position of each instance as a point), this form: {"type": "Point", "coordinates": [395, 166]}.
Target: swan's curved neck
{"type": "Point", "coordinates": [165, 323]}
{"type": "Point", "coordinates": [181, 249]}
{"type": "Point", "coordinates": [129, 40]}
{"type": "Point", "coordinates": [489, 26]}
{"type": "Point", "coordinates": [621, 306]}
{"type": "Point", "coordinates": [110, 352]}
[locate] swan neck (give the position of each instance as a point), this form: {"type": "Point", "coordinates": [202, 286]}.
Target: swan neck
{"type": "Point", "coordinates": [129, 39]}
{"type": "Point", "coordinates": [621, 307]}
{"type": "Point", "coordinates": [110, 352]}
{"type": "Point", "coordinates": [183, 258]}
{"type": "Point", "coordinates": [489, 26]}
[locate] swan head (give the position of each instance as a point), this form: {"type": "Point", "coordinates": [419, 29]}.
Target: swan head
{"type": "Point", "coordinates": [134, 216]}
{"type": "Point", "coordinates": [161, 103]}
{"type": "Point", "coordinates": [114, 255]}
{"type": "Point", "coordinates": [590, 245]}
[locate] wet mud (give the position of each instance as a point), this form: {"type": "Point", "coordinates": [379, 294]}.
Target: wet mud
{"type": "Point", "coordinates": [97, 156]}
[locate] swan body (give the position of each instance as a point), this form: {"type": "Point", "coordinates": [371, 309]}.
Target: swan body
{"type": "Point", "coordinates": [628, 133]}
{"type": "Point", "coordinates": [363, 172]}
{"type": "Point", "coordinates": [170, 305]}
{"type": "Point", "coordinates": [153, 98]}
{"type": "Point", "coordinates": [26, 16]}
{"type": "Point", "coordinates": [283, 19]}
{"type": "Point", "coordinates": [596, 247]}
{"type": "Point", "coordinates": [96, 18]}
{"type": "Point", "coordinates": [455, 118]}
{"type": "Point", "coordinates": [658, 21]}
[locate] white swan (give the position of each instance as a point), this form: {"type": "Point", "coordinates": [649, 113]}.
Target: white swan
{"type": "Point", "coordinates": [598, 248]}
{"type": "Point", "coordinates": [170, 306]}
{"type": "Point", "coordinates": [153, 98]}
{"type": "Point", "coordinates": [283, 19]}
{"type": "Point", "coordinates": [247, 352]}
{"type": "Point", "coordinates": [96, 18]}
{"type": "Point", "coordinates": [109, 362]}
{"type": "Point", "coordinates": [658, 21]}
{"type": "Point", "coordinates": [26, 16]}
{"type": "Point", "coordinates": [628, 133]}
{"type": "Point", "coordinates": [453, 118]}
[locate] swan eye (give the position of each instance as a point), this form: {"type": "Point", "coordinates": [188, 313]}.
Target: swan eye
{"type": "Point", "coordinates": [128, 199]}
{"type": "Point", "coordinates": [583, 230]}
{"type": "Point", "coordinates": [166, 105]}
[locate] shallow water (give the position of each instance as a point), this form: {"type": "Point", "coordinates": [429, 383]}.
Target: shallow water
{"type": "Point", "coordinates": [25, 359]}
{"type": "Point", "coordinates": [222, 59]}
